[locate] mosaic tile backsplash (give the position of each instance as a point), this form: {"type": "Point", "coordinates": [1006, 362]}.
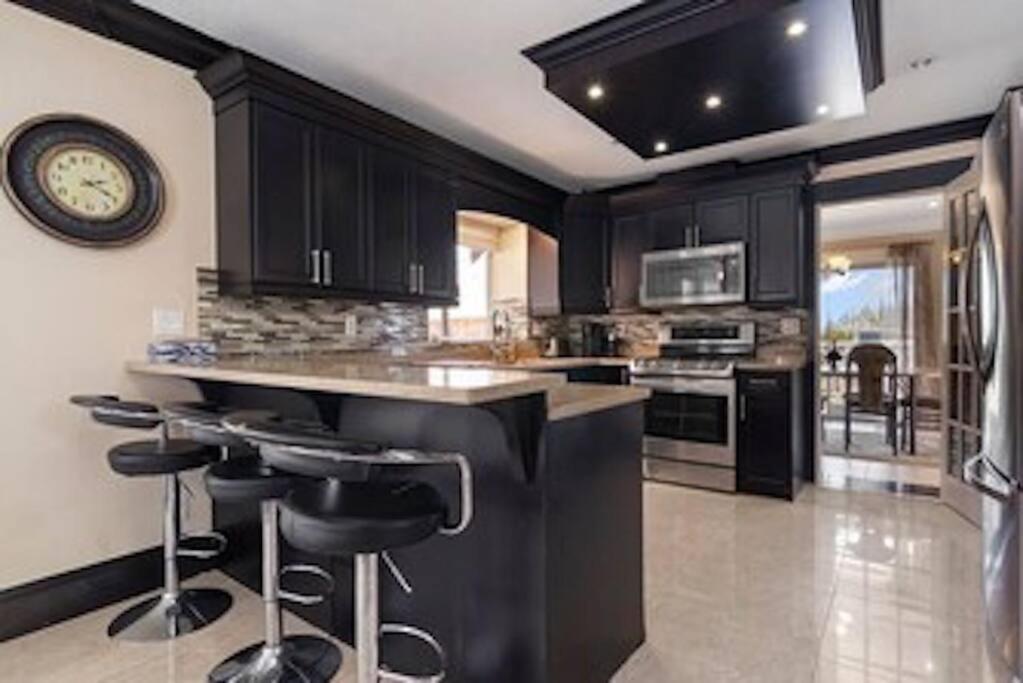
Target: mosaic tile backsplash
{"type": "Point", "coordinates": [273, 324]}
{"type": "Point", "coordinates": [637, 332]}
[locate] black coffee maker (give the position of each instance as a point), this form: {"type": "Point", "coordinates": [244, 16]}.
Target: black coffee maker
{"type": "Point", "coordinates": [598, 340]}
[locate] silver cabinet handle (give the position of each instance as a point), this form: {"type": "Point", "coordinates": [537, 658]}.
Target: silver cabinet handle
{"type": "Point", "coordinates": [742, 409]}
{"type": "Point", "coordinates": [979, 474]}
{"type": "Point", "coordinates": [689, 237]}
{"type": "Point", "coordinates": [696, 235]}
{"type": "Point", "coordinates": [328, 268]}
{"type": "Point", "coordinates": [413, 278]}
{"type": "Point", "coordinates": [317, 273]}
{"type": "Point", "coordinates": [422, 279]}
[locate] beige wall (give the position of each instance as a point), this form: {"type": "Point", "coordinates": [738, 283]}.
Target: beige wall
{"type": "Point", "coordinates": [72, 316]}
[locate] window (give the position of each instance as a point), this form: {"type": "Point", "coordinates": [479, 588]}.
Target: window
{"type": "Point", "coordinates": [470, 319]}
{"type": "Point", "coordinates": [872, 304]}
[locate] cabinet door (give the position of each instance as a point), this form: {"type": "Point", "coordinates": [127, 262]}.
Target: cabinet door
{"type": "Point", "coordinates": [670, 227]}
{"type": "Point", "coordinates": [722, 220]}
{"type": "Point", "coordinates": [629, 239]}
{"type": "Point", "coordinates": [341, 204]}
{"type": "Point", "coordinates": [284, 239]}
{"type": "Point", "coordinates": [582, 255]}
{"type": "Point", "coordinates": [764, 434]}
{"type": "Point", "coordinates": [776, 247]}
{"type": "Point", "coordinates": [435, 234]}
{"type": "Point", "coordinates": [390, 223]}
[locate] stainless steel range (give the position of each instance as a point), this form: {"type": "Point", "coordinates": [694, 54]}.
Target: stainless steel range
{"type": "Point", "coordinates": [691, 415]}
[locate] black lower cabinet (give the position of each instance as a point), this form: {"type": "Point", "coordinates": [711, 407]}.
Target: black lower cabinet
{"type": "Point", "coordinates": [770, 438]}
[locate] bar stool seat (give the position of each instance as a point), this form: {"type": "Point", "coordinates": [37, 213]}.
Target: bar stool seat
{"type": "Point", "coordinates": [150, 457]}
{"type": "Point", "coordinates": [175, 611]}
{"type": "Point", "coordinates": [278, 658]}
{"type": "Point", "coordinates": [338, 518]}
{"type": "Point", "coordinates": [245, 479]}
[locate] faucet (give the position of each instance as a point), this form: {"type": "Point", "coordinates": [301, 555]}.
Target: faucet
{"type": "Point", "coordinates": [500, 326]}
{"type": "Point", "coordinates": [501, 336]}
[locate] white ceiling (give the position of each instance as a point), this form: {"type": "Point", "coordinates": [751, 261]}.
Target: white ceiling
{"type": "Point", "coordinates": [455, 67]}
{"type": "Point", "coordinates": [896, 217]}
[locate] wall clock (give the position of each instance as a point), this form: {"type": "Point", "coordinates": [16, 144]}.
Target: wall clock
{"type": "Point", "coordinates": [82, 180]}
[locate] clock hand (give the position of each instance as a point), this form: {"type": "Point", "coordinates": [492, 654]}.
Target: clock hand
{"type": "Point", "coordinates": [95, 184]}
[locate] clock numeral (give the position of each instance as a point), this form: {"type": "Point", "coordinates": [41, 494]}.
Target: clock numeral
{"type": "Point", "coordinates": [62, 191]}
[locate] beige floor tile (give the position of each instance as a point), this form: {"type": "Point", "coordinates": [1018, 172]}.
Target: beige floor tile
{"type": "Point", "coordinates": [838, 587]}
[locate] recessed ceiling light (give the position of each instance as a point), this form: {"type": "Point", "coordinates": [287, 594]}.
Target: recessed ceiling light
{"type": "Point", "coordinates": [933, 204]}
{"type": "Point", "coordinates": [823, 110]}
{"type": "Point", "coordinates": [712, 101]}
{"type": "Point", "coordinates": [595, 91]}
{"type": "Point", "coordinates": [661, 146]}
{"type": "Point", "coordinates": [796, 28]}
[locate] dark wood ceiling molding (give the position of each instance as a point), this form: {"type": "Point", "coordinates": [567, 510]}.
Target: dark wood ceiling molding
{"type": "Point", "coordinates": [639, 30]}
{"type": "Point", "coordinates": [138, 27]}
{"type": "Point", "coordinates": [130, 24]}
{"type": "Point", "coordinates": [867, 15]}
{"type": "Point", "coordinates": [239, 74]}
{"type": "Point", "coordinates": [924, 177]}
{"type": "Point", "coordinates": [904, 141]}
{"type": "Point", "coordinates": [673, 188]}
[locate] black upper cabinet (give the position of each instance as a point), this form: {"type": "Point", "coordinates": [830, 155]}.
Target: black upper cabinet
{"type": "Point", "coordinates": [342, 210]}
{"type": "Point", "coordinates": [435, 235]}
{"type": "Point", "coordinates": [310, 203]}
{"type": "Point", "coordinates": [392, 270]}
{"type": "Point", "coordinates": [776, 247]}
{"type": "Point", "coordinates": [630, 237]}
{"type": "Point", "coordinates": [721, 220]}
{"type": "Point", "coordinates": [671, 227]}
{"type": "Point", "coordinates": [583, 255]}
{"type": "Point", "coordinates": [285, 244]}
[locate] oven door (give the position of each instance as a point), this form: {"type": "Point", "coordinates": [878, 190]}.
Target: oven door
{"type": "Point", "coordinates": [691, 420]}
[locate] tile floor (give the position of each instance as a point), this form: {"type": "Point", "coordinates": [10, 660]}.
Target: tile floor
{"type": "Point", "coordinates": [867, 475]}
{"type": "Point", "coordinates": [839, 586]}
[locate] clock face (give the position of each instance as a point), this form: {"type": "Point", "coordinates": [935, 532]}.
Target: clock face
{"type": "Point", "coordinates": [86, 182]}
{"type": "Point", "coordinates": [81, 180]}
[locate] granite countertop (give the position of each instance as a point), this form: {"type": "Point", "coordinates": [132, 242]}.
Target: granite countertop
{"type": "Point", "coordinates": [573, 399]}
{"type": "Point", "coordinates": [781, 363]}
{"type": "Point", "coordinates": [433, 383]}
{"type": "Point", "coordinates": [538, 363]}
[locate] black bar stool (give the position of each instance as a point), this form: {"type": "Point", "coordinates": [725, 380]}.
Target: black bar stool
{"type": "Point", "coordinates": [339, 507]}
{"type": "Point", "coordinates": [174, 612]}
{"type": "Point", "coordinates": [302, 659]}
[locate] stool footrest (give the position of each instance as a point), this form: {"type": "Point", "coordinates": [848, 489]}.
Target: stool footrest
{"type": "Point", "coordinates": [215, 538]}
{"type": "Point", "coordinates": [419, 634]}
{"type": "Point", "coordinates": [307, 598]}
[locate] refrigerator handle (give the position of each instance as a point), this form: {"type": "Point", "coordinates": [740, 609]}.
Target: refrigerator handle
{"type": "Point", "coordinates": [987, 479]}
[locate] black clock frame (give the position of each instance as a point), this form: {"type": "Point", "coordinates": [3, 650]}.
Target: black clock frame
{"type": "Point", "coordinates": [29, 143]}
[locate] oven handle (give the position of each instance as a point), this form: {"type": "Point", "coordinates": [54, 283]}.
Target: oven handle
{"type": "Point", "coordinates": [706, 387]}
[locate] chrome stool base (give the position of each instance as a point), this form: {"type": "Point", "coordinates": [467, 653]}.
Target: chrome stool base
{"type": "Point", "coordinates": [167, 616]}
{"type": "Point", "coordinates": [299, 659]}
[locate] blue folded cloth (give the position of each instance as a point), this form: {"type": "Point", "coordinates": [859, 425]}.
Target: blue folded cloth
{"type": "Point", "coordinates": [190, 351]}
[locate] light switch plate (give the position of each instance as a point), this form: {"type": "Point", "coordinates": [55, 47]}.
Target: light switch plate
{"type": "Point", "coordinates": [168, 322]}
{"type": "Point", "coordinates": [351, 325]}
{"type": "Point", "coordinates": [791, 326]}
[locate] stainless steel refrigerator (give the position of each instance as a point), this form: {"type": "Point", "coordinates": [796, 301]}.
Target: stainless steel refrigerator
{"type": "Point", "coordinates": [994, 268]}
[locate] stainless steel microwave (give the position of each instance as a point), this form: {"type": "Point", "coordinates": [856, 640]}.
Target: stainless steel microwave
{"type": "Point", "coordinates": [715, 274]}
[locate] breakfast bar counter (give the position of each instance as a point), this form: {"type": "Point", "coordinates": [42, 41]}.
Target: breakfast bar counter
{"type": "Point", "coordinates": [546, 584]}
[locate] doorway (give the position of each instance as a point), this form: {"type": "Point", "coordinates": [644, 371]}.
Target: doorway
{"type": "Point", "coordinates": [880, 342]}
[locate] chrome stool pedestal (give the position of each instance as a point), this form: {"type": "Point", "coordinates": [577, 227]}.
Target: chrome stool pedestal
{"type": "Point", "coordinates": [279, 658]}
{"type": "Point", "coordinates": [175, 612]}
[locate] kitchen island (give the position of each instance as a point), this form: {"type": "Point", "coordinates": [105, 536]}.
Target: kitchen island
{"type": "Point", "coordinates": [546, 584]}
